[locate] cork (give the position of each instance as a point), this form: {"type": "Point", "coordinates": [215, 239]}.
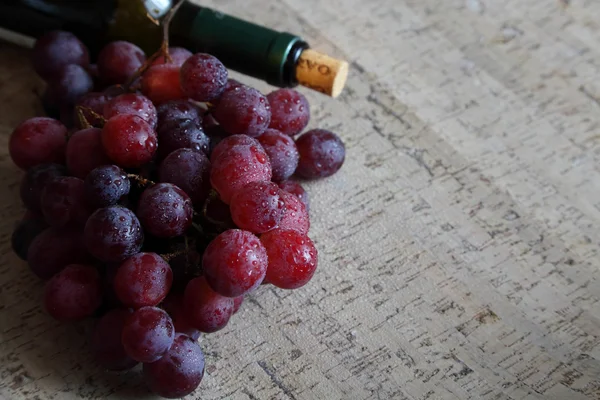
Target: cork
{"type": "Point", "coordinates": [321, 72]}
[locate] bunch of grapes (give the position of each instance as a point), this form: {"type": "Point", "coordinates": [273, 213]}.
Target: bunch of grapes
{"type": "Point", "coordinates": [161, 197]}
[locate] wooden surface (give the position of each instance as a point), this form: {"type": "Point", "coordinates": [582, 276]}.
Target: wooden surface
{"type": "Point", "coordinates": [458, 245]}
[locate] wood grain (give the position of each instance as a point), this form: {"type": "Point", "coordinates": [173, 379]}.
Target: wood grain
{"type": "Point", "coordinates": [459, 245]}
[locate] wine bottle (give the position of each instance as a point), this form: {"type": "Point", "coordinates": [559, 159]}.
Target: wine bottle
{"type": "Point", "coordinates": [279, 58]}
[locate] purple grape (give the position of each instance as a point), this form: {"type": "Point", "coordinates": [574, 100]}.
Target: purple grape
{"type": "Point", "coordinates": [203, 77]}
{"type": "Point", "coordinates": [148, 334]}
{"type": "Point", "coordinates": [57, 49]}
{"type": "Point", "coordinates": [282, 152]}
{"type": "Point", "coordinates": [54, 249]}
{"type": "Point", "coordinates": [181, 134]}
{"type": "Point", "coordinates": [34, 182]}
{"type": "Point", "coordinates": [113, 233]}
{"type": "Point", "coordinates": [105, 185]}
{"type": "Point", "coordinates": [119, 60]}
{"type": "Point", "coordinates": [69, 85]}
{"type": "Point", "coordinates": [322, 154]}
{"type": "Point", "coordinates": [63, 202]}
{"type": "Point", "coordinates": [290, 111]}
{"type": "Point", "coordinates": [24, 234]}
{"type": "Point", "coordinates": [190, 171]}
{"type": "Point", "coordinates": [177, 110]}
{"type": "Point", "coordinates": [243, 110]}
{"type": "Point", "coordinates": [179, 372]}
{"type": "Point", "coordinates": [165, 210]}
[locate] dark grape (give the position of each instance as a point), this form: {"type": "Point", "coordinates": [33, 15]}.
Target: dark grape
{"type": "Point", "coordinates": [290, 111]}
{"type": "Point", "coordinates": [160, 83]}
{"type": "Point", "coordinates": [282, 152]}
{"type": "Point", "coordinates": [85, 152]}
{"type": "Point", "coordinates": [239, 166]}
{"type": "Point", "coordinates": [105, 185]}
{"type": "Point", "coordinates": [165, 210]}
{"type": "Point", "coordinates": [243, 110]}
{"type": "Point", "coordinates": [179, 372]}
{"type": "Point", "coordinates": [173, 304]}
{"type": "Point", "coordinates": [118, 61]}
{"type": "Point", "coordinates": [111, 300]}
{"type": "Point", "coordinates": [106, 343]}
{"type": "Point", "coordinates": [181, 134]}
{"type": "Point", "coordinates": [203, 77]}
{"type": "Point", "coordinates": [178, 56]}
{"type": "Point", "coordinates": [74, 293]}
{"type": "Point", "coordinates": [292, 258]}
{"type": "Point", "coordinates": [63, 202]}
{"type": "Point", "coordinates": [205, 309]}
{"type": "Point", "coordinates": [143, 280]}
{"type": "Point", "coordinates": [95, 102]}
{"type": "Point", "coordinates": [69, 85]}
{"type": "Point", "coordinates": [57, 49]}
{"type": "Point", "coordinates": [297, 190]}
{"type": "Point", "coordinates": [177, 110]}
{"type": "Point", "coordinates": [185, 266]}
{"type": "Point", "coordinates": [129, 140]}
{"type": "Point", "coordinates": [113, 233]}
{"type": "Point", "coordinates": [54, 249]}
{"type": "Point", "coordinates": [38, 140]}
{"type": "Point", "coordinates": [24, 234]}
{"type": "Point", "coordinates": [190, 171]}
{"type": "Point", "coordinates": [295, 215]}
{"type": "Point", "coordinates": [322, 154]}
{"type": "Point", "coordinates": [257, 207]}
{"type": "Point", "coordinates": [147, 334]}
{"type": "Point", "coordinates": [133, 104]}
{"type": "Point", "coordinates": [34, 182]}
{"type": "Point", "coordinates": [218, 213]}
{"type": "Point", "coordinates": [235, 263]}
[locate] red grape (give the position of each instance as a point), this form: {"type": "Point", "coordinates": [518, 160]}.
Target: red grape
{"type": "Point", "coordinates": [322, 154]}
{"type": "Point", "coordinates": [237, 303]}
{"type": "Point", "coordinates": [34, 182]}
{"type": "Point", "coordinates": [177, 110]}
{"type": "Point", "coordinates": [133, 104]}
{"type": "Point", "coordinates": [148, 333]}
{"type": "Point", "coordinates": [54, 249]}
{"type": "Point", "coordinates": [85, 152]}
{"type": "Point", "coordinates": [190, 171]}
{"type": "Point", "coordinates": [295, 216]}
{"type": "Point", "coordinates": [105, 185]}
{"type": "Point", "coordinates": [230, 142]}
{"type": "Point", "coordinates": [178, 56]}
{"type": "Point", "coordinates": [243, 110]}
{"type": "Point", "coordinates": [95, 102]}
{"type": "Point", "coordinates": [235, 263]}
{"type": "Point", "coordinates": [119, 60]}
{"type": "Point", "coordinates": [165, 210]}
{"type": "Point", "coordinates": [282, 152]}
{"type": "Point", "coordinates": [297, 190]}
{"type": "Point", "coordinates": [106, 343]}
{"type": "Point", "coordinates": [181, 134]}
{"type": "Point", "coordinates": [160, 83]}
{"type": "Point", "coordinates": [113, 233]}
{"type": "Point", "coordinates": [205, 309]}
{"type": "Point", "coordinates": [74, 293]}
{"type": "Point", "coordinates": [241, 165]}
{"type": "Point", "coordinates": [292, 258]}
{"type": "Point", "coordinates": [257, 207]}
{"type": "Point", "coordinates": [290, 111]}
{"type": "Point", "coordinates": [203, 77]}
{"type": "Point", "coordinates": [24, 234]}
{"type": "Point", "coordinates": [69, 85]}
{"type": "Point", "coordinates": [63, 202]}
{"type": "Point", "coordinates": [129, 140]}
{"type": "Point", "coordinates": [38, 140]}
{"type": "Point", "coordinates": [57, 49]}
{"type": "Point", "coordinates": [173, 304]}
{"type": "Point", "coordinates": [179, 372]}
{"type": "Point", "coordinates": [143, 280]}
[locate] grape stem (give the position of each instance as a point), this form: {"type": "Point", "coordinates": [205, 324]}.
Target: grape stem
{"type": "Point", "coordinates": [83, 120]}
{"type": "Point", "coordinates": [162, 51]}
{"type": "Point", "coordinates": [141, 181]}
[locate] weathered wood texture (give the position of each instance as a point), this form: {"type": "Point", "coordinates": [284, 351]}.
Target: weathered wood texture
{"type": "Point", "coordinates": [459, 245]}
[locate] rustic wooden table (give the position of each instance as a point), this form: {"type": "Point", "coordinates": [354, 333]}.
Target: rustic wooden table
{"type": "Point", "coordinates": [458, 245]}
